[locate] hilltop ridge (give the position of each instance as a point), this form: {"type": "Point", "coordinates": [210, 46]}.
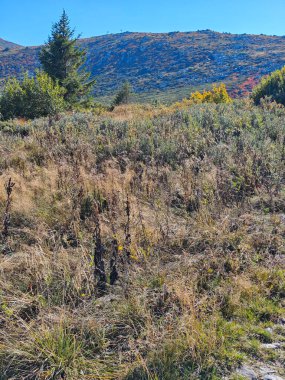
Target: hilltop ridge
{"type": "Point", "coordinates": [165, 61]}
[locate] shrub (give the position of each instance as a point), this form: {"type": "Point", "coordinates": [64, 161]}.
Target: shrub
{"type": "Point", "coordinates": [32, 97]}
{"type": "Point", "coordinates": [272, 86]}
{"type": "Point", "coordinates": [218, 94]}
{"type": "Point", "coordinates": [11, 102]}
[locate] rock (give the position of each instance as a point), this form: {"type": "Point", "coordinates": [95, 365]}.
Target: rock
{"type": "Point", "coordinates": [247, 372]}
{"type": "Point", "coordinates": [271, 346]}
{"type": "Point", "coordinates": [269, 329]}
{"type": "Point", "coordinates": [266, 370]}
{"type": "Point", "coordinates": [105, 300]}
{"type": "Point", "coordinates": [272, 377]}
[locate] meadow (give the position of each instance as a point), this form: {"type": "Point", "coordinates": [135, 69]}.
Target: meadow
{"type": "Point", "coordinates": [189, 200]}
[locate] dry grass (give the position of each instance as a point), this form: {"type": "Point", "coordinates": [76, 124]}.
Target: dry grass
{"type": "Point", "coordinates": [206, 270]}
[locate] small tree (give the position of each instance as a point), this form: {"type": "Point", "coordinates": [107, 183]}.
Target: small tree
{"type": "Point", "coordinates": [32, 97]}
{"type": "Point", "coordinates": [124, 95]}
{"type": "Point", "coordinates": [62, 60]}
{"type": "Point", "coordinates": [272, 86]}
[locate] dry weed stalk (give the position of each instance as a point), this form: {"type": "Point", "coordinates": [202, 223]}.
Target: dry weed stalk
{"type": "Point", "coordinates": [77, 188]}
{"type": "Point", "coordinates": [124, 258]}
{"type": "Point", "coordinates": [6, 220]}
{"type": "Point", "coordinates": [114, 274]}
{"type": "Point", "coordinates": [128, 240]}
{"type": "Point", "coordinates": [99, 272]}
{"type": "Point", "coordinates": [126, 254]}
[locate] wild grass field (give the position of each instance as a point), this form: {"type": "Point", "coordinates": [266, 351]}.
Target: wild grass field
{"type": "Point", "coordinates": [190, 199]}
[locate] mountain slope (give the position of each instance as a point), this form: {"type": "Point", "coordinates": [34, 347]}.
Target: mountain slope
{"type": "Point", "coordinates": [8, 45]}
{"type": "Point", "coordinates": [166, 61]}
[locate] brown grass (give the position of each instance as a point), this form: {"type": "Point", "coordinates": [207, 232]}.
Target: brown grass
{"type": "Point", "coordinates": [206, 266]}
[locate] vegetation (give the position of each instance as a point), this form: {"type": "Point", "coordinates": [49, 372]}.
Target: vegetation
{"type": "Point", "coordinates": [272, 86]}
{"type": "Point", "coordinates": [123, 96]}
{"type": "Point", "coordinates": [31, 97]}
{"type": "Point", "coordinates": [138, 242]}
{"type": "Point", "coordinates": [218, 95]}
{"type": "Point", "coordinates": [62, 60]}
{"type": "Point", "coordinates": [187, 205]}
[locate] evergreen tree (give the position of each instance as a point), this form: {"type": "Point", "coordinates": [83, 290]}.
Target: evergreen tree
{"type": "Point", "coordinates": [124, 95]}
{"type": "Point", "coordinates": [62, 60]}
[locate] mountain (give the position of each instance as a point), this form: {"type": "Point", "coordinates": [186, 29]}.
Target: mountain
{"type": "Point", "coordinates": [5, 45]}
{"type": "Point", "coordinates": [166, 61]}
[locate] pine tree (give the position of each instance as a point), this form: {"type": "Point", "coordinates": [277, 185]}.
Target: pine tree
{"type": "Point", "coordinates": [124, 95]}
{"type": "Point", "coordinates": [62, 60]}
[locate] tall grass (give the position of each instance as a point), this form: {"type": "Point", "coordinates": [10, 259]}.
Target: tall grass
{"type": "Point", "coordinates": [205, 247]}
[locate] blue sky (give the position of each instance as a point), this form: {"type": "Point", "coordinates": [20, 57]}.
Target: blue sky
{"type": "Point", "coordinates": [28, 22]}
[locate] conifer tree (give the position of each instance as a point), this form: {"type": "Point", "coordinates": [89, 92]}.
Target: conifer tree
{"type": "Point", "coordinates": [124, 95]}
{"type": "Point", "coordinates": [62, 60]}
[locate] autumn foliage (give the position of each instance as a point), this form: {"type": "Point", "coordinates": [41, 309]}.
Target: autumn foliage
{"type": "Point", "coordinates": [218, 94]}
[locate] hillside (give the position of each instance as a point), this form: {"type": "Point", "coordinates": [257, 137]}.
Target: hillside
{"type": "Point", "coordinates": [168, 62]}
{"type": "Point", "coordinates": [4, 45]}
{"type": "Point", "coordinates": [187, 205]}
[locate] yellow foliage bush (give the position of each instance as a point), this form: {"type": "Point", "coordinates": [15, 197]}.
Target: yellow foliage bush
{"type": "Point", "coordinates": [218, 94]}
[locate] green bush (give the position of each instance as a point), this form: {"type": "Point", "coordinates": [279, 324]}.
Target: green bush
{"type": "Point", "coordinates": [32, 97]}
{"type": "Point", "coordinates": [11, 102]}
{"type": "Point", "coordinates": [272, 86]}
